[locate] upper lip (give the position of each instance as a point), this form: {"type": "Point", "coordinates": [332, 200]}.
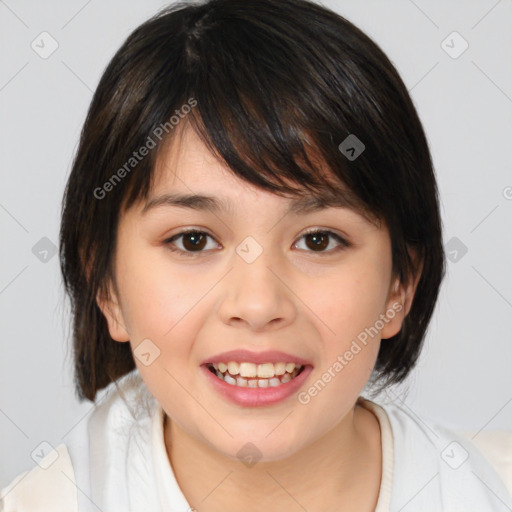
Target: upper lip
{"type": "Point", "coordinates": [249, 356]}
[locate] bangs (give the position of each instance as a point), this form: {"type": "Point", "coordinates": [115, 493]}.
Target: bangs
{"type": "Point", "coordinates": [273, 123]}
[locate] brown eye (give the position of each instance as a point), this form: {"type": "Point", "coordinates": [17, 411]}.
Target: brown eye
{"type": "Point", "coordinates": [190, 243]}
{"type": "Point", "coordinates": [319, 241]}
{"type": "Point", "coordinates": [194, 241]}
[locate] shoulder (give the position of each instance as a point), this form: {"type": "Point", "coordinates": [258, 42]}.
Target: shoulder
{"type": "Point", "coordinates": [48, 486]}
{"type": "Point", "coordinates": [96, 450]}
{"type": "Point", "coordinates": [437, 467]}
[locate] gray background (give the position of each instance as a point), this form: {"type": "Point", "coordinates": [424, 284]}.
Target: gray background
{"type": "Point", "coordinates": [464, 377]}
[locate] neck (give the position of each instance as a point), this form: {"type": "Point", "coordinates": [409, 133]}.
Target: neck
{"type": "Point", "coordinates": [345, 464]}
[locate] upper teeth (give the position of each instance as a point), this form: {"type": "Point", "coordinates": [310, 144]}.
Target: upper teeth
{"type": "Point", "coordinates": [265, 370]}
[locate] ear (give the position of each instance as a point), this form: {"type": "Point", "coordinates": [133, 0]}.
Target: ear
{"type": "Point", "coordinates": [400, 299]}
{"type": "Point", "coordinates": [112, 311]}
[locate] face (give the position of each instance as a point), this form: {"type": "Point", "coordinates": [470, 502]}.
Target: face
{"type": "Point", "coordinates": [255, 278]}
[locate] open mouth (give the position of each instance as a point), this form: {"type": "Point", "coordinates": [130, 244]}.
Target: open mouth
{"type": "Point", "coordinates": [250, 375]}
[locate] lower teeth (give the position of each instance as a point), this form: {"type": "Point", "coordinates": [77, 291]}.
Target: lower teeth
{"type": "Point", "coordinates": [256, 383]}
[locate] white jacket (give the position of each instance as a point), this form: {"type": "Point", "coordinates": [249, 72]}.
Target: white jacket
{"type": "Point", "coordinates": [115, 461]}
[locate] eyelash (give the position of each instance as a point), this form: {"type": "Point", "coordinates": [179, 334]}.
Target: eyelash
{"type": "Point", "coordinates": [343, 244]}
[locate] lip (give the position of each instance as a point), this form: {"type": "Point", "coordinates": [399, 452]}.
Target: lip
{"type": "Point", "coordinates": [248, 356]}
{"type": "Point", "coordinates": [256, 397]}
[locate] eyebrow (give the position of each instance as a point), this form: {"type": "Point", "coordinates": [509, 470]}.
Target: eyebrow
{"type": "Point", "coordinates": [299, 206]}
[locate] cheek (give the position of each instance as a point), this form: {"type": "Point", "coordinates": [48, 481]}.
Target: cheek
{"type": "Point", "coordinates": [159, 310]}
{"type": "Point", "coordinates": [166, 306]}
{"type": "Point", "coordinates": [155, 297]}
{"type": "Point", "coordinates": [349, 301]}
{"type": "Point", "coordinates": [348, 305]}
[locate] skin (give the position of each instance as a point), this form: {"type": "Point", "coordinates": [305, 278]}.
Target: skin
{"type": "Point", "coordinates": [293, 298]}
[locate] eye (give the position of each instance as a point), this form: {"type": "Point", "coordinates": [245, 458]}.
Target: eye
{"type": "Point", "coordinates": [318, 240]}
{"type": "Point", "coordinates": [193, 241]}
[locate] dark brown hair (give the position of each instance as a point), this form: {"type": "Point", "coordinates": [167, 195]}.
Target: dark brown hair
{"type": "Point", "coordinates": [274, 83]}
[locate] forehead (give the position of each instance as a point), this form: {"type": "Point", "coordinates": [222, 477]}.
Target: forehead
{"type": "Point", "coordinates": [189, 175]}
{"type": "Point", "coordinates": [297, 206]}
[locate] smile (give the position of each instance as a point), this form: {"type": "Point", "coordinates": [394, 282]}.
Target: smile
{"type": "Point", "coordinates": [251, 375]}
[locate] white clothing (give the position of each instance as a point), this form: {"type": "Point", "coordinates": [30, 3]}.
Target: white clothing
{"type": "Point", "coordinates": [115, 461]}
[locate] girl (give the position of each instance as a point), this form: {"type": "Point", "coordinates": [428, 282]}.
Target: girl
{"type": "Point", "coordinates": [250, 236]}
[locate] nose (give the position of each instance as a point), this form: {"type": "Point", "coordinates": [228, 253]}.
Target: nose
{"type": "Point", "coordinates": [257, 296]}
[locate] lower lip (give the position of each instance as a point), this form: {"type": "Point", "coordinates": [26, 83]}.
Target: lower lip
{"type": "Point", "coordinates": [257, 397]}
